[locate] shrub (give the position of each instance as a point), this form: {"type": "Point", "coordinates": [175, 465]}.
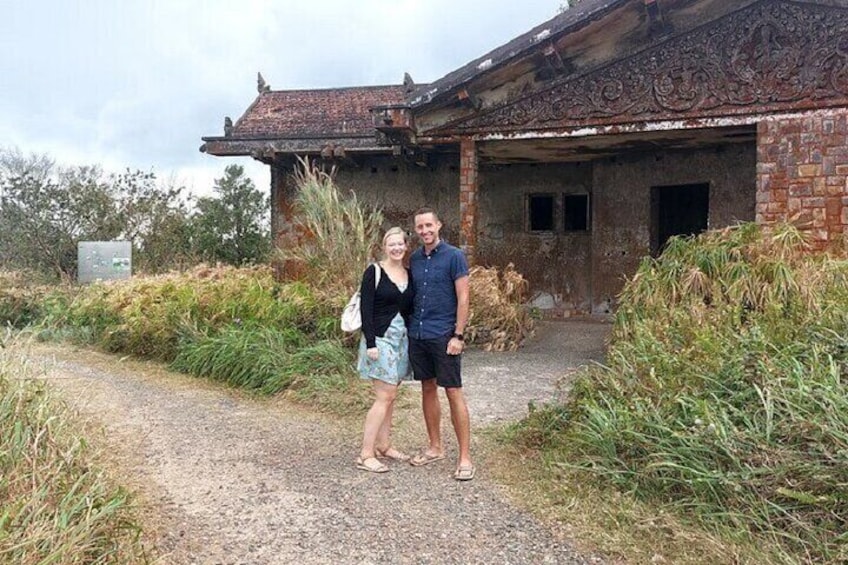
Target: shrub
{"type": "Point", "coordinates": [22, 294]}
{"type": "Point", "coordinates": [152, 316]}
{"type": "Point", "coordinates": [724, 393]}
{"type": "Point", "coordinates": [498, 320]}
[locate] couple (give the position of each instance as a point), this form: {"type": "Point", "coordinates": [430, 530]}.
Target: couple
{"type": "Point", "coordinates": [413, 319]}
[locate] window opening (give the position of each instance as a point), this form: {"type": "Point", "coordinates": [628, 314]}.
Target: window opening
{"type": "Point", "coordinates": [541, 212]}
{"type": "Point", "coordinates": [575, 212]}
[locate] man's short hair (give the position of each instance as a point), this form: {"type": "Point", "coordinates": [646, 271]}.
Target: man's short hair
{"type": "Point", "coordinates": [426, 210]}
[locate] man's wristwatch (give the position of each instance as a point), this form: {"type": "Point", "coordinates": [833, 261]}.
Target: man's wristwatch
{"type": "Point", "coordinates": [458, 336]}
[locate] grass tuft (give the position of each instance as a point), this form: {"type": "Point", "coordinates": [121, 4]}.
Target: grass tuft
{"type": "Point", "coordinates": [56, 504]}
{"type": "Point", "coordinates": [724, 397]}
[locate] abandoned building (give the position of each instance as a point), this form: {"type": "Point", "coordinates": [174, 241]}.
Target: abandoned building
{"type": "Point", "coordinates": [581, 146]}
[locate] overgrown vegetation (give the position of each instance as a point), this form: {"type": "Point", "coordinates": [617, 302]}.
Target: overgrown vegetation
{"type": "Point", "coordinates": [56, 503]}
{"type": "Point", "coordinates": [338, 235]}
{"type": "Point", "coordinates": [243, 327]}
{"type": "Point", "coordinates": [724, 397]}
{"type": "Point", "coordinates": [498, 320]}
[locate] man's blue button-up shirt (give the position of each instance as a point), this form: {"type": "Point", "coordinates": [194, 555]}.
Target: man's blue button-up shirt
{"type": "Point", "coordinates": [433, 276]}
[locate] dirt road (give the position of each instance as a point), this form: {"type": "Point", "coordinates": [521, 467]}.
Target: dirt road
{"type": "Point", "coordinates": [231, 479]}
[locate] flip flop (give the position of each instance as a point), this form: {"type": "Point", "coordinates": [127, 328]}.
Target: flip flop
{"type": "Point", "coordinates": [425, 458]}
{"type": "Point", "coordinates": [395, 454]}
{"type": "Point", "coordinates": [371, 464]}
{"type": "Point", "coordinates": [464, 473]}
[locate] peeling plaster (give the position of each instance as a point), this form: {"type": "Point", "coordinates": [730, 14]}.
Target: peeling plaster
{"type": "Point", "coordinates": [668, 125]}
{"type": "Point", "coordinates": [541, 35]}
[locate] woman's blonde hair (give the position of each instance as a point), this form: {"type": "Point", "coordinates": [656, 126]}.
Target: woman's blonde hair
{"type": "Point", "coordinates": [395, 231]}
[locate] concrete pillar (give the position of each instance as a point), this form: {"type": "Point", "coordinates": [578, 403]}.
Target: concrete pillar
{"type": "Point", "coordinates": [283, 232]}
{"type": "Point", "coordinates": [802, 174]}
{"type": "Point", "coordinates": [468, 199]}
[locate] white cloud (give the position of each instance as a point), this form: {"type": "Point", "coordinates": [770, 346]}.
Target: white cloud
{"type": "Point", "coordinates": [137, 83]}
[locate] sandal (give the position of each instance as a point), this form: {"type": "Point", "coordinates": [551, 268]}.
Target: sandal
{"type": "Point", "coordinates": [392, 453]}
{"type": "Point", "coordinates": [425, 458]}
{"type": "Point", "coordinates": [464, 473]}
{"type": "Point", "coordinates": [370, 464]}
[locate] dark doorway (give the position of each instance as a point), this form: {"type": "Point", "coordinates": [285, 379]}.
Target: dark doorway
{"type": "Point", "coordinates": [677, 210]}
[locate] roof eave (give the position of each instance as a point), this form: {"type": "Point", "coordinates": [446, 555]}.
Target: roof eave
{"type": "Point", "coordinates": [437, 91]}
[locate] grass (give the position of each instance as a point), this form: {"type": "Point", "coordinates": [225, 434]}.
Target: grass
{"type": "Point", "coordinates": [337, 235]}
{"type": "Point", "coordinates": [57, 505]}
{"type": "Point", "coordinates": [723, 402]}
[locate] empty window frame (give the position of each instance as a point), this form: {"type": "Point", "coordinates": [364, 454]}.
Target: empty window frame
{"type": "Point", "coordinates": [540, 212]}
{"type": "Point", "coordinates": [575, 212]}
{"type": "Point", "coordinates": [678, 210]}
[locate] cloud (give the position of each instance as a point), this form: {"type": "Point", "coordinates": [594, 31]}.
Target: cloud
{"type": "Point", "coordinates": [137, 83]}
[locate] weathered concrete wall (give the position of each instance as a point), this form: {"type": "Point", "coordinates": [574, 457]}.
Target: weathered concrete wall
{"type": "Point", "coordinates": [559, 262]}
{"type": "Point", "coordinates": [584, 271]}
{"type": "Point", "coordinates": [802, 174]}
{"type": "Point", "coordinates": [400, 187]}
{"type": "Point", "coordinates": [622, 211]}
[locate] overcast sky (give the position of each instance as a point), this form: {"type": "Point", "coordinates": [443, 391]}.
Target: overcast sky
{"type": "Point", "coordinates": [136, 83]}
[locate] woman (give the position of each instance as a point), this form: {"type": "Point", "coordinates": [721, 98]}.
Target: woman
{"type": "Point", "coordinates": [383, 348]}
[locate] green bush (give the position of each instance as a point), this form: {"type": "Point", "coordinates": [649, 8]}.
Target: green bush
{"type": "Point", "coordinates": [152, 316]}
{"type": "Point", "coordinates": [724, 393]}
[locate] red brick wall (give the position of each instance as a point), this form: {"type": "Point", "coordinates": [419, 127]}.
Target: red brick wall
{"type": "Point", "coordinates": [283, 231]}
{"type": "Point", "coordinates": [468, 198]}
{"type": "Point", "coordinates": [802, 174]}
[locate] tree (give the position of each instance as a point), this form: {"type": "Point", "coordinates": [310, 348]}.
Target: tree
{"type": "Point", "coordinates": [232, 226]}
{"type": "Point", "coordinates": [156, 218]}
{"type": "Point", "coordinates": [45, 211]}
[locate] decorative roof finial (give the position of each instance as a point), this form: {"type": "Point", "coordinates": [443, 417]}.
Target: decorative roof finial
{"type": "Point", "coordinates": [408, 82]}
{"type": "Point", "coordinates": [228, 126]}
{"type": "Point", "coordinates": [261, 87]}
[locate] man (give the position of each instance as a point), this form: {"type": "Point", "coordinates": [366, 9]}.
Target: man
{"type": "Point", "coordinates": [440, 312]}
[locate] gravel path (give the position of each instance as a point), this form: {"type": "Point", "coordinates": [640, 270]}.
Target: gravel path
{"type": "Point", "coordinates": [237, 480]}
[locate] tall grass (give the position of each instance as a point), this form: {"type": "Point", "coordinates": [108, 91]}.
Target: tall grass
{"type": "Point", "coordinates": [23, 295]}
{"type": "Point", "coordinates": [154, 316]}
{"type": "Point", "coordinates": [724, 396]}
{"type": "Point", "coordinates": [56, 505]}
{"type": "Point", "coordinates": [338, 234]}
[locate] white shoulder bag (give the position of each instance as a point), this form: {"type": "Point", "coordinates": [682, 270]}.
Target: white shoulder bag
{"type": "Point", "coordinates": [351, 315]}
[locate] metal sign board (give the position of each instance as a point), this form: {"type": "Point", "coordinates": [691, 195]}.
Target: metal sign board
{"type": "Point", "coordinates": [104, 260]}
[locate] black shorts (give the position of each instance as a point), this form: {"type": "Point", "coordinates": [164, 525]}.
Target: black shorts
{"type": "Point", "coordinates": [430, 360]}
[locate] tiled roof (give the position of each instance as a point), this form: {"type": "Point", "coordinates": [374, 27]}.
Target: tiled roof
{"type": "Point", "coordinates": [331, 112]}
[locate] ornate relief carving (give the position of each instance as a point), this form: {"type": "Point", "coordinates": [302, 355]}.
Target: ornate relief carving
{"type": "Point", "coordinates": [772, 54]}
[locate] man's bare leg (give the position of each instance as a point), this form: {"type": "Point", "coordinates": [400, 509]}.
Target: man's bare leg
{"type": "Point", "coordinates": [461, 424]}
{"type": "Point", "coordinates": [432, 416]}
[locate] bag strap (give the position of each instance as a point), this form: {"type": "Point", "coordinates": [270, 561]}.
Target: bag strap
{"type": "Point", "coordinates": [377, 270]}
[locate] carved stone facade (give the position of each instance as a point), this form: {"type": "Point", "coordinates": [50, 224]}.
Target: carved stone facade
{"type": "Point", "coordinates": [772, 56]}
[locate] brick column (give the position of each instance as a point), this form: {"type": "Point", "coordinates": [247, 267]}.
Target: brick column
{"type": "Point", "coordinates": [283, 232]}
{"type": "Point", "coordinates": [468, 199]}
{"type": "Point", "coordinates": [802, 174]}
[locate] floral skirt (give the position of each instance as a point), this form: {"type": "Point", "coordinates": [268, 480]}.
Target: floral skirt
{"type": "Point", "coordinates": [392, 365]}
